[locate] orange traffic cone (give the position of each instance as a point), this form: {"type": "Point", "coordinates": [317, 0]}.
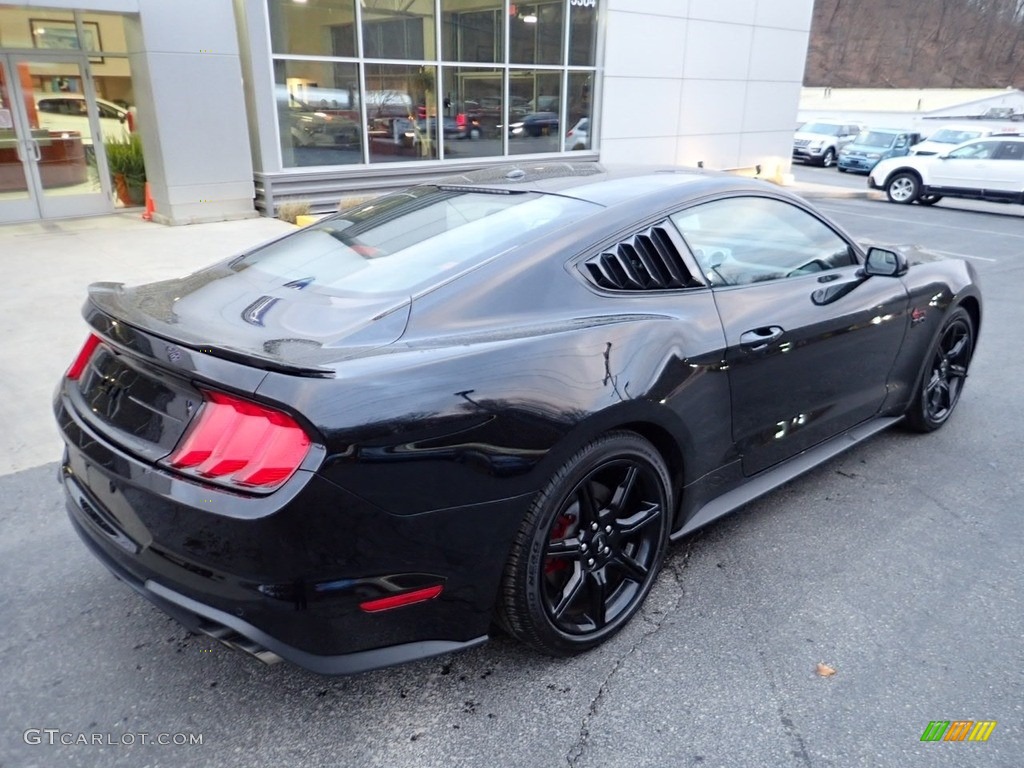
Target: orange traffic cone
{"type": "Point", "coordinates": [150, 207]}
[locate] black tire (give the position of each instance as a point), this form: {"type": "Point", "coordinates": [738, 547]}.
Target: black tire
{"type": "Point", "coordinates": [928, 199]}
{"type": "Point", "coordinates": [943, 374]}
{"type": "Point", "coordinates": [828, 158]}
{"type": "Point", "coordinates": [903, 188]}
{"type": "Point", "coordinates": [589, 548]}
{"type": "Point", "coordinates": [841, 169]}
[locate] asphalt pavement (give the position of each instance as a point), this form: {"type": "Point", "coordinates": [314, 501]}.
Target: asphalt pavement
{"type": "Point", "coordinates": [896, 564]}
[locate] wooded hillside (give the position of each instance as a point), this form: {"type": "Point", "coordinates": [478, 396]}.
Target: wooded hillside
{"type": "Point", "coordinates": [917, 44]}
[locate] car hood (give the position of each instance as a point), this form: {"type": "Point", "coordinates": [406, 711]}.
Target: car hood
{"type": "Point", "coordinates": [291, 327]}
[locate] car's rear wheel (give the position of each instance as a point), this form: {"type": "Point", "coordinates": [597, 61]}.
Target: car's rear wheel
{"type": "Point", "coordinates": [928, 199]}
{"type": "Point", "coordinates": [589, 548]}
{"type": "Point", "coordinates": [903, 188]}
{"type": "Point", "coordinates": [828, 158]}
{"type": "Point", "coordinates": [944, 373]}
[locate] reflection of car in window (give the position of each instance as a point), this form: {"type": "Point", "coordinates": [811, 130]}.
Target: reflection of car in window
{"type": "Point", "coordinates": [67, 112]}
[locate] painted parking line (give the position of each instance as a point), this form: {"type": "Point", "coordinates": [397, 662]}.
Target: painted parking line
{"type": "Point", "coordinates": [930, 225]}
{"type": "Point", "coordinates": [960, 255]}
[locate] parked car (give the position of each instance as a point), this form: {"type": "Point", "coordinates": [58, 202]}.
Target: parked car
{"type": "Point", "coordinates": [578, 137]}
{"type": "Point", "coordinates": [818, 142]}
{"type": "Point", "coordinates": [494, 397]}
{"type": "Point", "coordinates": [948, 136]}
{"type": "Point", "coordinates": [60, 112]}
{"type": "Point", "coordinates": [872, 145]}
{"type": "Point", "coordinates": [535, 124]}
{"type": "Point", "coordinates": [990, 169]}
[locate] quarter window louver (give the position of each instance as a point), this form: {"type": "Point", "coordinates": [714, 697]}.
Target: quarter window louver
{"type": "Point", "coordinates": [647, 261]}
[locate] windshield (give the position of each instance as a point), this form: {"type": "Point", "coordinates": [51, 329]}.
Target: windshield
{"type": "Point", "coordinates": [953, 136]}
{"type": "Point", "coordinates": [407, 242]}
{"type": "Point", "coordinates": [875, 139]}
{"type": "Point", "coordinates": [824, 128]}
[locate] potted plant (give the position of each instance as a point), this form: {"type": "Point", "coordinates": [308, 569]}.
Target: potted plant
{"type": "Point", "coordinates": [128, 169]}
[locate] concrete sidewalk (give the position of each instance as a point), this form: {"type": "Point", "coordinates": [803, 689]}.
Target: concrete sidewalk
{"type": "Point", "coordinates": [49, 265]}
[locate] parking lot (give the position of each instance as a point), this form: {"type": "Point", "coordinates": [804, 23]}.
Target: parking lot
{"type": "Point", "coordinates": [896, 564]}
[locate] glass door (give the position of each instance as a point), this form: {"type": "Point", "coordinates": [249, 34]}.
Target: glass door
{"type": "Point", "coordinates": [57, 136]}
{"type": "Point", "coordinates": [17, 203]}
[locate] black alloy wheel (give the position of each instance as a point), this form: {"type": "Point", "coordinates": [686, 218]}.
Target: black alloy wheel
{"type": "Point", "coordinates": [589, 548]}
{"type": "Point", "coordinates": [944, 373]}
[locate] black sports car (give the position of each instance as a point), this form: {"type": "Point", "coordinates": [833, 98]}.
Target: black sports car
{"type": "Point", "coordinates": [493, 399]}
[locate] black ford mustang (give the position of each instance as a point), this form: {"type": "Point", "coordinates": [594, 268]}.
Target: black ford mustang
{"type": "Point", "coordinates": [491, 399]}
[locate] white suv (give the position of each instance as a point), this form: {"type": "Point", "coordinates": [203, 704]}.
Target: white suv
{"type": "Point", "coordinates": [819, 141]}
{"type": "Point", "coordinates": [990, 169]}
{"type": "Point", "coordinates": [60, 112]}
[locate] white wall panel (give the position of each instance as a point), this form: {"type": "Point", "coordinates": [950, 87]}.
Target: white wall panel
{"type": "Point", "coordinates": [716, 51]}
{"type": "Point", "coordinates": [637, 151]}
{"type": "Point", "coordinates": [712, 106]}
{"type": "Point", "coordinates": [643, 46]}
{"type": "Point", "coordinates": [678, 8]}
{"type": "Point", "coordinates": [785, 14]}
{"type": "Point", "coordinates": [778, 54]}
{"type": "Point", "coordinates": [640, 107]}
{"type": "Point", "coordinates": [771, 107]}
{"type": "Point", "coordinates": [732, 11]}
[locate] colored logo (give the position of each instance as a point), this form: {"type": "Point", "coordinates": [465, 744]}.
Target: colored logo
{"type": "Point", "coordinates": [958, 730]}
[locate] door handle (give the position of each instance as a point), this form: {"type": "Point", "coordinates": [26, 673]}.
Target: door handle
{"type": "Point", "coordinates": [759, 338]}
{"type": "Point", "coordinates": [37, 153]}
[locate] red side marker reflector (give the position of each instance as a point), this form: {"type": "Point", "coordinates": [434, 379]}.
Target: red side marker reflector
{"type": "Point", "coordinates": [406, 598]}
{"type": "Point", "coordinates": [78, 366]}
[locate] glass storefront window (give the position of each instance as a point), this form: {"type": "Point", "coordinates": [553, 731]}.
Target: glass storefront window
{"type": "Point", "coordinates": [535, 104]}
{"type": "Point", "coordinates": [398, 30]}
{"type": "Point", "coordinates": [318, 113]}
{"type": "Point", "coordinates": [473, 31]}
{"type": "Point", "coordinates": [582, 36]}
{"type": "Point", "coordinates": [402, 112]}
{"type": "Point", "coordinates": [578, 109]}
{"type": "Point", "coordinates": [473, 111]}
{"type": "Point", "coordinates": [431, 79]}
{"type": "Point", "coordinates": [313, 28]}
{"type": "Point", "coordinates": [535, 33]}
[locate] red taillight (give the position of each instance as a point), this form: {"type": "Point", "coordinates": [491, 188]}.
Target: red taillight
{"type": "Point", "coordinates": [397, 601]}
{"type": "Point", "coordinates": [84, 356]}
{"type": "Point", "coordinates": [238, 443]}
{"type": "Point", "coordinates": [460, 120]}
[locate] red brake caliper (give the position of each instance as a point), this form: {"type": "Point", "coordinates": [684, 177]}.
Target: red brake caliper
{"type": "Point", "coordinates": [558, 531]}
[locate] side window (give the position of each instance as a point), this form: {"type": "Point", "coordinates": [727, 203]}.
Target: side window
{"type": "Point", "coordinates": [979, 150]}
{"type": "Point", "coordinates": [1011, 150]}
{"type": "Point", "coordinates": [743, 240]}
{"type": "Point", "coordinates": [901, 141]}
{"type": "Point", "coordinates": [49, 105]}
{"type": "Point", "coordinates": [109, 112]}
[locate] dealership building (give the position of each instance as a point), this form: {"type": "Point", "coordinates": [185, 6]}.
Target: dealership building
{"type": "Point", "coordinates": [237, 107]}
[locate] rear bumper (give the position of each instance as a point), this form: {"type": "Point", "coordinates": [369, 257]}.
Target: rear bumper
{"type": "Point", "coordinates": [249, 639]}
{"type": "Point", "coordinates": [288, 572]}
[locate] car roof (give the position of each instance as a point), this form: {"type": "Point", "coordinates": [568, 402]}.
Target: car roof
{"type": "Point", "coordinates": [598, 183]}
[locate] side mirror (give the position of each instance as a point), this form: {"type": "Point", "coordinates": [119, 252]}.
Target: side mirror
{"type": "Point", "coordinates": [883, 263]}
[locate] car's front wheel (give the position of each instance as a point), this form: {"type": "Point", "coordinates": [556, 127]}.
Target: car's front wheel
{"type": "Point", "coordinates": [928, 199]}
{"type": "Point", "coordinates": [903, 188]}
{"type": "Point", "coordinates": [829, 158]}
{"type": "Point", "coordinates": [589, 548]}
{"type": "Point", "coordinates": [944, 373]}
